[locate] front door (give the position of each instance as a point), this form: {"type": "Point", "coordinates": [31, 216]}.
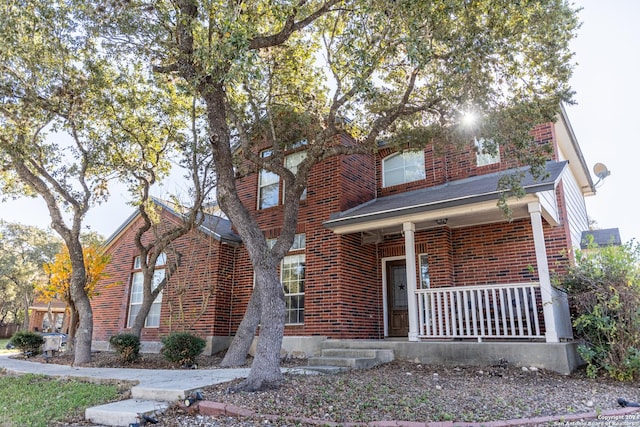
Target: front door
{"type": "Point", "coordinates": [397, 299]}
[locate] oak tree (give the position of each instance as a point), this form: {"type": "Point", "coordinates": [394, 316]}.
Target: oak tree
{"type": "Point", "coordinates": [274, 74]}
{"type": "Point", "coordinates": [23, 252]}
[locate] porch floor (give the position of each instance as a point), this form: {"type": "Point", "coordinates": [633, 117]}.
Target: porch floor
{"type": "Point", "coordinates": [559, 357]}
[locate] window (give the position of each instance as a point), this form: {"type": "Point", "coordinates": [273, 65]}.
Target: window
{"type": "Point", "coordinates": [153, 318]}
{"type": "Point", "coordinates": [425, 280]}
{"type": "Point", "coordinates": [292, 276]}
{"type": "Point", "coordinates": [267, 186]}
{"type": "Point", "coordinates": [403, 167]}
{"type": "Point", "coordinates": [487, 152]}
{"type": "Point", "coordinates": [291, 162]}
{"type": "Point", "coordinates": [269, 182]}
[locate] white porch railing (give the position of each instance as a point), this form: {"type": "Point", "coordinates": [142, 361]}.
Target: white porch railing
{"type": "Point", "coordinates": [490, 311]}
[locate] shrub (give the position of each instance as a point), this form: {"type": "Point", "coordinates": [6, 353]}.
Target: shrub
{"type": "Point", "coordinates": [127, 346]}
{"type": "Point", "coordinates": [27, 342]}
{"type": "Point", "coordinates": [604, 293]}
{"type": "Point", "coordinates": [182, 348]}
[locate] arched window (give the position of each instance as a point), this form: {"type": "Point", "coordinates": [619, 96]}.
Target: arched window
{"type": "Point", "coordinates": [135, 302]}
{"type": "Point", "coordinates": [403, 167]}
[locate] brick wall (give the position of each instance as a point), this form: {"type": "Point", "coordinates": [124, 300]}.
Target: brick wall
{"type": "Point", "coordinates": [343, 294]}
{"type": "Point", "coordinates": [197, 297]}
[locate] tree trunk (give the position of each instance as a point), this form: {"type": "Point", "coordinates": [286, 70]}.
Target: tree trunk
{"type": "Point", "coordinates": [84, 333]}
{"type": "Point", "coordinates": [85, 330]}
{"type": "Point", "coordinates": [72, 326]}
{"type": "Point", "coordinates": [236, 355]}
{"type": "Point", "coordinates": [25, 321]}
{"type": "Point", "coordinates": [145, 307]}
{"type": "Point", "coordinates": [265, 371]}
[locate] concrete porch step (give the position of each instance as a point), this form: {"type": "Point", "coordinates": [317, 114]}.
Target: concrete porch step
{"type": "Point", "coordinates": [125, 412]}
{"type": "Point", "coordinates": [352, 358]}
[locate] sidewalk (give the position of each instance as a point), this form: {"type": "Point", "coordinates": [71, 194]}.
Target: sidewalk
{"type": "Point", "coordinates": [163, 384]}
{"type": "Point", "coordinates": [155, 390]}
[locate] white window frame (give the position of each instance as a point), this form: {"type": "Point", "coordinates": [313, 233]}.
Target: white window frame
{"type": "Point", "coordinates": [483, 158]}
{"type": "Point", "coordinates": [267, 180]}
{"type": "Point", "coordinates": [291, 162]}
{"type": "Point", "coordinates": [411, 167]}
{"type": "Point", "coordinates": [136, 293]}
{"type": "Point", "coordinates": [296, 257]}
{"type": "Point", "coordinates": [423, 269]}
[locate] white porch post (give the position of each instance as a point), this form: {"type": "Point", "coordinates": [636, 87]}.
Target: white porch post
{"type": "Point", "coordinates": [551, 304]}
{"type": "Point", "coordinates": [409, 230]}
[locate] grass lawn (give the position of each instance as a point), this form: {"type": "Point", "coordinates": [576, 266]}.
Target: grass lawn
{"type": "Point", "coordinates": [37, 401]}
{"type": "Point", "coordinates": [3, 350]}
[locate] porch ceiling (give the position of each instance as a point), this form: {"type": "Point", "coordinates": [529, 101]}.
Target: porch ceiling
{"type": "Point", "coordinates": [461, 203]}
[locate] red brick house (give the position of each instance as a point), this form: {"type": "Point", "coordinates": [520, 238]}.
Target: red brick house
{"type": "Point", "coordinates": [403, 250]}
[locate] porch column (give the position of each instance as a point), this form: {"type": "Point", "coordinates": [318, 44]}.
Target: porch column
{"type": "Point", "coordinates": [409, 230]}
{"type": "Point", "coordinates": [555, 314]}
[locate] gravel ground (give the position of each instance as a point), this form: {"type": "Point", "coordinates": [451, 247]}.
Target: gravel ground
{"type": "Point", "coordinates": [404, 391]}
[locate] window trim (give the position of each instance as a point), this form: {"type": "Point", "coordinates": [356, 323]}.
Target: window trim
{"type": "Point", "coordinates": [419, 154]}
{"type": "Point", "coordinates": [262, 174]}
{"type": "Point", "coordinates": [483, 158]}
{"type": "Point", "coordinates": [298, 249]}
{"type": "Point", "coordinates": [157, 302]}
{"type": "Point", "coordinates": [421, 272]}
{"type": "Point", "coordinates": [294, 169]}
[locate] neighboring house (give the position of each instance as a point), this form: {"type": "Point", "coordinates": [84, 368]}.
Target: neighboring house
{"type": "Point", "coordinates": [404, 250]}
{"type": "Point", "coordinates": [48, 316]}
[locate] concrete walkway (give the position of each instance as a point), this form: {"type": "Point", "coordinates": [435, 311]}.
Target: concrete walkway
{"type": "Point", "coordinates": [154, 390]}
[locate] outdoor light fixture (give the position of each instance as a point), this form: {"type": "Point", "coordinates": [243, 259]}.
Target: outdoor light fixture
{"type": "Point", "coordinates": [442, 221]}
{"type": "Point", "coordinates": [193, 398]}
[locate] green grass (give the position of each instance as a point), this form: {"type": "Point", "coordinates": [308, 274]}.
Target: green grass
{"type": "Point", "coordinates": [3, 350]}
{"type": "Point", "coordinates": [35, 400]}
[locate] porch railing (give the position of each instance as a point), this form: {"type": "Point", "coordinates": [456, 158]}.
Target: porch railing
{"type": "Point", "coordinates": [489, 311]}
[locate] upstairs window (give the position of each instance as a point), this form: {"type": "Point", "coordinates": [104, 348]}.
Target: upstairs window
{"type": "Point", "coordinates": [291, 162]}
{"type": "Point", "coordinates": [487, 152]}
{"type": "Point", "coordinates": [268, 187]}
{"type": "Point", "coordinates": [400, 168]}
{"type": "Point", "coordinates": [269, 182]}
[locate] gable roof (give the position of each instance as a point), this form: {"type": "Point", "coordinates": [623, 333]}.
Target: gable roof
{"type": "Point", "coordinates": [606, 237]}
{"type": "Point", "coordinates": [456, 193]}
{"type": "Point", "coordinates": [215, 226]}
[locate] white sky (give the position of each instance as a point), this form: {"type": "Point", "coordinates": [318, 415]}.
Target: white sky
{"type": "Point", "coordinates": [607, 93]}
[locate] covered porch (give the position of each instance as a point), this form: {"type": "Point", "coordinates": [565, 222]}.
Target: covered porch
{"type": "Point", "coordinates": [480, 312]}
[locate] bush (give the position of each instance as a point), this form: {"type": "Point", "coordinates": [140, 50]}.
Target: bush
{"type": "Point", "coordinates": [604, 293]}
{"type": "Point", "coordinates": [27, 342]}
{"type": "Point", "coordinates": [127, 346]}
{"type": "Point", "coordinates": [182, 348]}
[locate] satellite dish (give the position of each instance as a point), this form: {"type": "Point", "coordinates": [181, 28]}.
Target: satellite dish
{"type": "Point", "coordinates": [601, 172]}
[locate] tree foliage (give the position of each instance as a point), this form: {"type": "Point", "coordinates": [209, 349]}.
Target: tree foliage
{"type": "Point", "coordinates": [60, 273]}
{"type": "Point", "coordinates": [270, 74]}
{"type": "Point", "coordinates": [23, 251]}
{"type": "Point", "coordinates": [66, 107]}
{"type": "Point", "coordinates": [604, 291]}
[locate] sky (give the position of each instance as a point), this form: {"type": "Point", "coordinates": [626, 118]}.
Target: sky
{"type": "Point", "coordinates": [606, 80]}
